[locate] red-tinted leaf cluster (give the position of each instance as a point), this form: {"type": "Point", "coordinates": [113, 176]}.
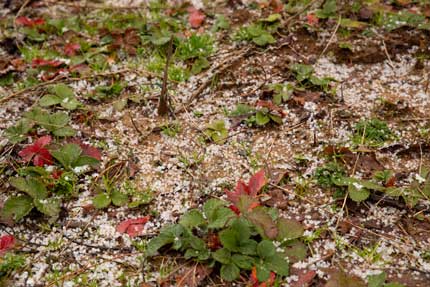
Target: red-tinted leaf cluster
{"type": "Point", "coordinates": [27, 22]}
{"type": "Point", "coordinates": [312, 19]}
{"type": "Point", "coordinates": [6, 243]}
{"type": "Point", "coordinates": [254, 280]}
{"type": "Point", "coordinates": [37, 152]}
{"type": "Point", "coordinates": [195, 17]}
{"type": "Point", "coordinates": [256, 182]}
{"type": "Point", "coordinates": [88, 150]}
{"type": "Point", "coordinates": [277, 6]}
{"type": "Point", "coordinates": [70, 49]}
{"type": "Point", "coordinates": [127, 40]}
{"type": "Point", "coordinates": [38, 63]}
{"type": "Point", "coordinates": [133, 227]}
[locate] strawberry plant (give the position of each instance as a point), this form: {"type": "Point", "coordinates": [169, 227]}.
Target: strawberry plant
{"type": "Point", "coordinates": [304, 74]}
{"type": "Point", "coordinates": [263, 114]}
{"type": "Point", "coordinates": [56, 123]}
{"type": "Point", "coordinates": [235, 236]}
{"type": "Point", "coordinates": [61, 95]}
{"type": "Point", "coordinates": [217, 132]}
{"type": "Point", "coordinates": [42, 189]}
{"type": "Point", "coordinates": [260, 33]}
{"type": "Point", "coordinates": [373, 132]}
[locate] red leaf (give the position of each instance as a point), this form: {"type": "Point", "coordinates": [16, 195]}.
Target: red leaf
{"type": "Point", "coordinates": [250, 190]}
{"type": "Point", "coordinates": [277, 6]}
{"type": "Point", "coordinates": [133, 227]}
{"type": "Point", "coordinates": [88, 150]}
{"type": "Point", "coordinates": [241, 189]}
{"type": "Point", "coordinates": [195, 17]}
{"type": "Point", "coordinates": [6, 243]}
{"type": "Point", "coordinates": [256, 182]}
{"type": "Point", "coordinates": [312, 19]}
{"type": "Point", "coordinates": [25, 21]}
{"type": "Point", "coordinates": [46, 63]}
{"type": "Point", "coordinates": [234, 209]}
{"type": "Point", "coordinates": [71, 49]}
{"type": "Point", "coordinates": [56, 174]}
{"type": "Point", "coordinates": [37, 152]}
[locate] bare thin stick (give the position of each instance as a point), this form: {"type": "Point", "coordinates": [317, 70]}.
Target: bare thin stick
{"type": "Point", "coordinates": [331, 38]}
{"type": "Point", "coordinates": [163, 104]}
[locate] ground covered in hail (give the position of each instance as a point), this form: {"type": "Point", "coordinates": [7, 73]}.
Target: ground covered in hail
{"type": "Point", "coordinates": [215, 143]}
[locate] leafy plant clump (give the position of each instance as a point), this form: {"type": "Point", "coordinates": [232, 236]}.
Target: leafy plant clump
{"type": "Point", "coordinates": [306, 79]}
{"type": "Point", "coordinates": [237, 236]}
{"type": "Point", "coordinates": [373, 132]}
{"type": "Point", "coordinates": [264, 113]}
{"type": "Point", "coordinates": [260, 33]}
{"type": "Point", "coordinates": [45, 189]}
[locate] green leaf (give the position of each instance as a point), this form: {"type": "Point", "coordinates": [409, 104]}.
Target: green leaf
{"type": "Point", "coordinates": [264, 39]}
{"type": "Point", "coordinates": [263, 222]}
{"type": "Point", "coordinates": [70, 103]}
{"type": "Point", "coordinates": [229, 272]}
{"type": "Point", "coordinates": [50, 100]}
{"type": "Point", "coordinates": [166, 236]}
{"type": "Point", "coordinates": [266, 249]}
{"type": "Point", "coordinates": [63, 91]}
{"type": "Point", "coordinates": [118, 198]}
{"type": "Point", "coordinates": [56, 121]}
{"type": "Point", "coordinates": [192, 218]}
{"type": "Point", "coordinates": [222, 255]}
{"type": "Point", "coordinates": [272, 18]}
{"type": "Point", "coordinates": [248, 247]}
{"type": "Point", "coordinates": [229, 239]}
{"type": "Point", "coordinates": [241, 226]}
{"type": "Point", "coordinates": [64, 132]}
{"type": "Point", "coordinates": [303, 72]}
{"type": "Point", "coordinates": [277, 119]}
{"type": "Point", "coordinates": [221, 217]}
{"type": "Point", "coordinates": [242, 261]}
{"type": "Point", "coordinates": [33, 187]}
{"type": "Point", "coordinates": [278, 264]}
{"type": "Point", "coordinates": [18, 133]}
{"type": "Point", "coordinates": [377, 280]}
{"type": "Point", "coordinates": [16, 207]}
{"type": "Point", "coordinates": [49, 206]}
{"type": "Point", "coordinates": [261, 118]}
{"type": "Point", "coordinates": [358, 193]}
{"type": "Point", "coordinates": [263, 272]}
{"type": "Point", "coordinates": [67, 154]}
{"type": "Point", "coordinates": [296, 251]}
{"type": "Point", "coordinates": [211, 206]}
{"type": "Point", "coordinates": [329, 9]}
{"type": "Point", "coordinates": [199, 65]}
{"type": "Point", "coordinates": [288, 229]}
{"type": "Point", "coordinates": [394, 284]}
{"type": "Point", "coordinates": [85, 160]}
{"type": "Point", "coordinates": [221, 23]}
{"type": "Point", "coordinates": [101, 200]}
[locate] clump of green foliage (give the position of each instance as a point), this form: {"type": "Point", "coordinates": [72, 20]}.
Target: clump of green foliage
{"type": "Point", "coordinates": [237, 237]}
{"type": "Point", "coordinates": [373, 132]}
{"type": "Point", "coordinates": [260, 33]}
{"type": "Point", "coordinates": [258, 116]}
